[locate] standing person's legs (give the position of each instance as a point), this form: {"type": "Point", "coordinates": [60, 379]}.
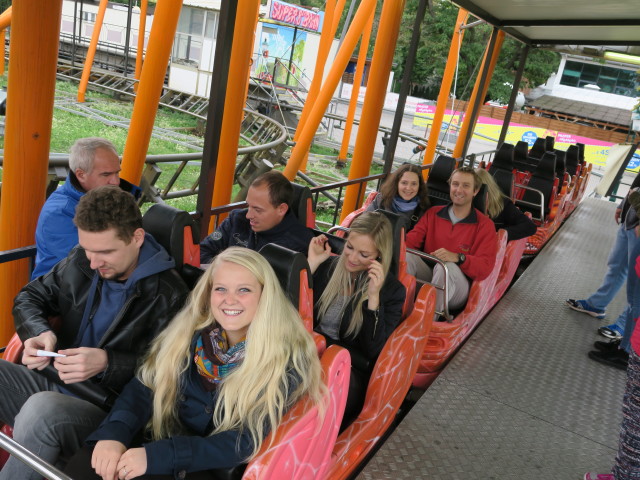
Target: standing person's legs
{"type": "Point", "coordinates": [627, 464]}
{"type": "Point", "coordinates": [53, 426]}
{"type": "Point", "coordinates": [617, 267]}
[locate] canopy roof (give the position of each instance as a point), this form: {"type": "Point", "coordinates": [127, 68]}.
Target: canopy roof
{"type": "Point", "coordinates": [563, 22]}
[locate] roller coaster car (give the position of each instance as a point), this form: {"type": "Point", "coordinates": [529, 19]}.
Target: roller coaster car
{"type": "Point", "coordinates": [446, 337]}
{"type": "Point", "coordinates": [292, 270]}
{"type": "Point", "coordinates": [302, 205]}
{"type": "Point", "coordinates": [301, 447]}
{"type": "Point", "coordinates": [390, 381]}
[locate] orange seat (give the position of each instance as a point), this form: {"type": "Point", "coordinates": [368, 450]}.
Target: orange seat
{"type": "Point", "coordinates": [512, 257]}
{"type": "Point", "coordinates": [349, 218]}
{"type": "Point", "coordinates": [301, 446]}
{"type": "Point", "coordinates": [390, 381]}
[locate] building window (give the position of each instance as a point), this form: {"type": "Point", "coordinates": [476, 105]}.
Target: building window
{"type": "Point", "coordinates": [89, 17]}
{"type": "Point", "coordinates": [193, 26]}
{"type": "Point", "coordinates": [609, 79]}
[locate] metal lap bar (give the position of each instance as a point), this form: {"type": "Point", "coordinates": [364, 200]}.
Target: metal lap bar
{"type": "Point", "coordinates": [540, 205]}
{"type": "Point", "coordinates": [30, 459]}
{"type": "Point", "coordinates": [445, 310]}
{"type": "Point", "coordinates": [338, 228]}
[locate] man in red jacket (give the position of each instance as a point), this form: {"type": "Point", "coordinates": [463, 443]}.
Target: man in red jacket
{"type": "Point", "coordinates": [457, 234]}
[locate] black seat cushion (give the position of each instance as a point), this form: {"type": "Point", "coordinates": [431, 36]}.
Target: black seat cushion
{"type": "Point", "coordinates": [438, 180]}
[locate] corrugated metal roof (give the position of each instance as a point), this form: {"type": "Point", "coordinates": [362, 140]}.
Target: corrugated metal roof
{"type": "Point", "coordinates": [590, 111]}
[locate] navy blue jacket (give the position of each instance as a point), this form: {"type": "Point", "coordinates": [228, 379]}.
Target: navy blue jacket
{"type": "Point", "coordinates": [235, 231]}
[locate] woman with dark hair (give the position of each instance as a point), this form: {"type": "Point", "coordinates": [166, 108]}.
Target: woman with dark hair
{"type": "Point", "coordinates": [405, 193]}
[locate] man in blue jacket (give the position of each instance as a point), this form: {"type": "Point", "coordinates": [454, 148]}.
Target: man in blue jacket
{"type": "Point", "coordinates": [113, 294]}
{"type": "Point", "coordinates": [92, 162]}
{"type": "Point", "coordinates": [268, 219]}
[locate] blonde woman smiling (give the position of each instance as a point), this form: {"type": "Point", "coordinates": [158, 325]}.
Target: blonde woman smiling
{"type": "Point", "coordinates": [214, 383]}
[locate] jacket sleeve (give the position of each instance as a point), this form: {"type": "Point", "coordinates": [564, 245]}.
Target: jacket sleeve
{"type": "Point", "coordinates": [178, 454]}
{"type": "Point", "coordinates": [517, 224]}
{"type": "Point", "coordinates": [377, 326]}
{"type": "Point", "coordinates": [130, 413]}
{"type": "Point", "coordinates": [217, 241]}
{"type": "Point", "coordinates": [37, 301]}
{"type": "Point", "coordinates": [416, 237]}
{"type": "Point", "coordinates": [481, 259]}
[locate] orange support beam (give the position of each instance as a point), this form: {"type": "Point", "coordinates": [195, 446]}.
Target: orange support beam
{"type": "Point", "coordinates": [386, 40]}
{"type": "Point", "coordinates": [445, 88]}
{"type": "Point", "coordinates": [91, 51]}
{"type": "Point", "coordinates": [4, 50]}
{"type": "Point", "coordinates": [355, 91]}
{"type": "Point", "coordinates": [35, 35]}
{"type": "Point", "coordinates": [5, 18]}
{"type": "Point", "coordinates": [165, 21]}
{"type": "Point", "coordinates": [469, 122]}
{"type": "Point", "coordinates": [141, 33]}
{"type": "Point", "coordinates": [241, 52]}
{"type": "Point", "coordinates": [333, 12]}
{"type": "Point", "coordinates": [319, 107]}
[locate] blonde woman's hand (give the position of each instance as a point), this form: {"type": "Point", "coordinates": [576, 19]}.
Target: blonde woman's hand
{"type": "Point", "coordinates": [319, 251]}
{"type": "Point", "coordinates": [376, 279]}
{"type": "Point", "coordinates": [105, 457]}
{"type": "Point", "coordinates": [133, 463]}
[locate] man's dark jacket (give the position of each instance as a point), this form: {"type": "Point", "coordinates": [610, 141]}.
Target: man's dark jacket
{"type": "Point", "coordinates": [235, 231]}
{"type": "Point", "coordinates": [153, 302]}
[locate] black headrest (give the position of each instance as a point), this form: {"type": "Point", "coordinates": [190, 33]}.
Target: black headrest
{"type": "Point", "coordinates": [521, 151]}
{"type": "Point", "coordinates": [504, 157]}
{"type": "Point", "coordinates": [480, 199]}
{"type": "Point", "coordinates": [572, 159]}
{"type": "Point", "coordinates": [580, 152]}
{"type": "Point", "coordinates": [539, 147]}
{"type": "Point", "coordinates": [504, 180]}
{"type": "Point", "coordinates": [397, 229]}
{"type": "Point", "coordinates": [301, 196]}
{"type": "Point", "coordinates": [549, 143]}
{"type": "Point", "coordinates": [546, 167]}
{"type": "Point", "coordinates": [440, 172]}
{"type": "Point", "coordinates": [560, 162]}
{"type": "Point", "coordinates": [287, 264]}
{"type": "Point", "coordinates": [166, 224]}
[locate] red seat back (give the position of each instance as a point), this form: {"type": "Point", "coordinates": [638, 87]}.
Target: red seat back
{"type": "Point", "coordinates": [301, 446]}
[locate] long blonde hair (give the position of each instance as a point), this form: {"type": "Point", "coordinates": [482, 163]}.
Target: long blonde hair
{"type": "Point", "coordinates": [255, 395]}
{"type": "Point", "coordinates": [495, 197]}
{"type": "Point", "coordinates": [378, 227]}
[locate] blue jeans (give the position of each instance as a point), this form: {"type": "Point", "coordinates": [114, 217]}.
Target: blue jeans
{"type": "Point", "coordinates": [632, 311]}
{"type": "Point", "coordinates": [617, 268]}
{"type": "Point", "coordinates": [49, 423]}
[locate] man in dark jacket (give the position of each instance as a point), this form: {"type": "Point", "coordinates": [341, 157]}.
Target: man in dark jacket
{"type": "Point", "coordinates": [267, 219]}
{"type": "Point", "coordinates": [113, 294]}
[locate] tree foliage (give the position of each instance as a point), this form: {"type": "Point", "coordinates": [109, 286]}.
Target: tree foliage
{"type": "Point", "coordinates": [435, 37]}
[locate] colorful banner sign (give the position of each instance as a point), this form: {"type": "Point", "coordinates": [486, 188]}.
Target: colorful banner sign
{"type": "Point", "coordinates": [595, 151]}
{"type": "Point", "coordinates": [297, 16]}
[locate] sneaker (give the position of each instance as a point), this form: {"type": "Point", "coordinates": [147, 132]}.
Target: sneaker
{"type": "Point", "coordinates": [612, 331]}
{"type": "Point", "coordinates": [584, 307]}
{"type": "Point", "coordinates": [618, 358]}
{"type": "Point", "coordinates": [611, 346]}
{"type": "Point", "coordinates": [599, 476]}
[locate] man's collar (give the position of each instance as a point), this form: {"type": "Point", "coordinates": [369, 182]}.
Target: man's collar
{"type": "Point", "coordinates": [471, 218]}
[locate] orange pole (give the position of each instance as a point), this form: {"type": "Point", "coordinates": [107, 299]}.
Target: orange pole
{"type": "Point", "coordinates": [466, 123]}
{"type": "Point", "coordinates": [333, 11]}
{"type": "Point", "coordinates": [4, 50]}
{"type": "Point", "coordinates": [445, 88]}
{"type": "Point", "coordinates": [141, 33]}
{"type": "Point", "coordinates": [91, 51]}
{"type": "Point", "coordinates": [241, 52]}
{"type": "Point", "coordinates": [373, 101]}
{"type": "Point", "coordinates": [35, 33]}
{"type": "Point", "coordinates": [5, 18]}
{"type": "Point", "coordinates": [154, 69]}
{"type": "Point", "coordinates": [319, 107]}
{"type": "Point", "coordinates": [355, 92]}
